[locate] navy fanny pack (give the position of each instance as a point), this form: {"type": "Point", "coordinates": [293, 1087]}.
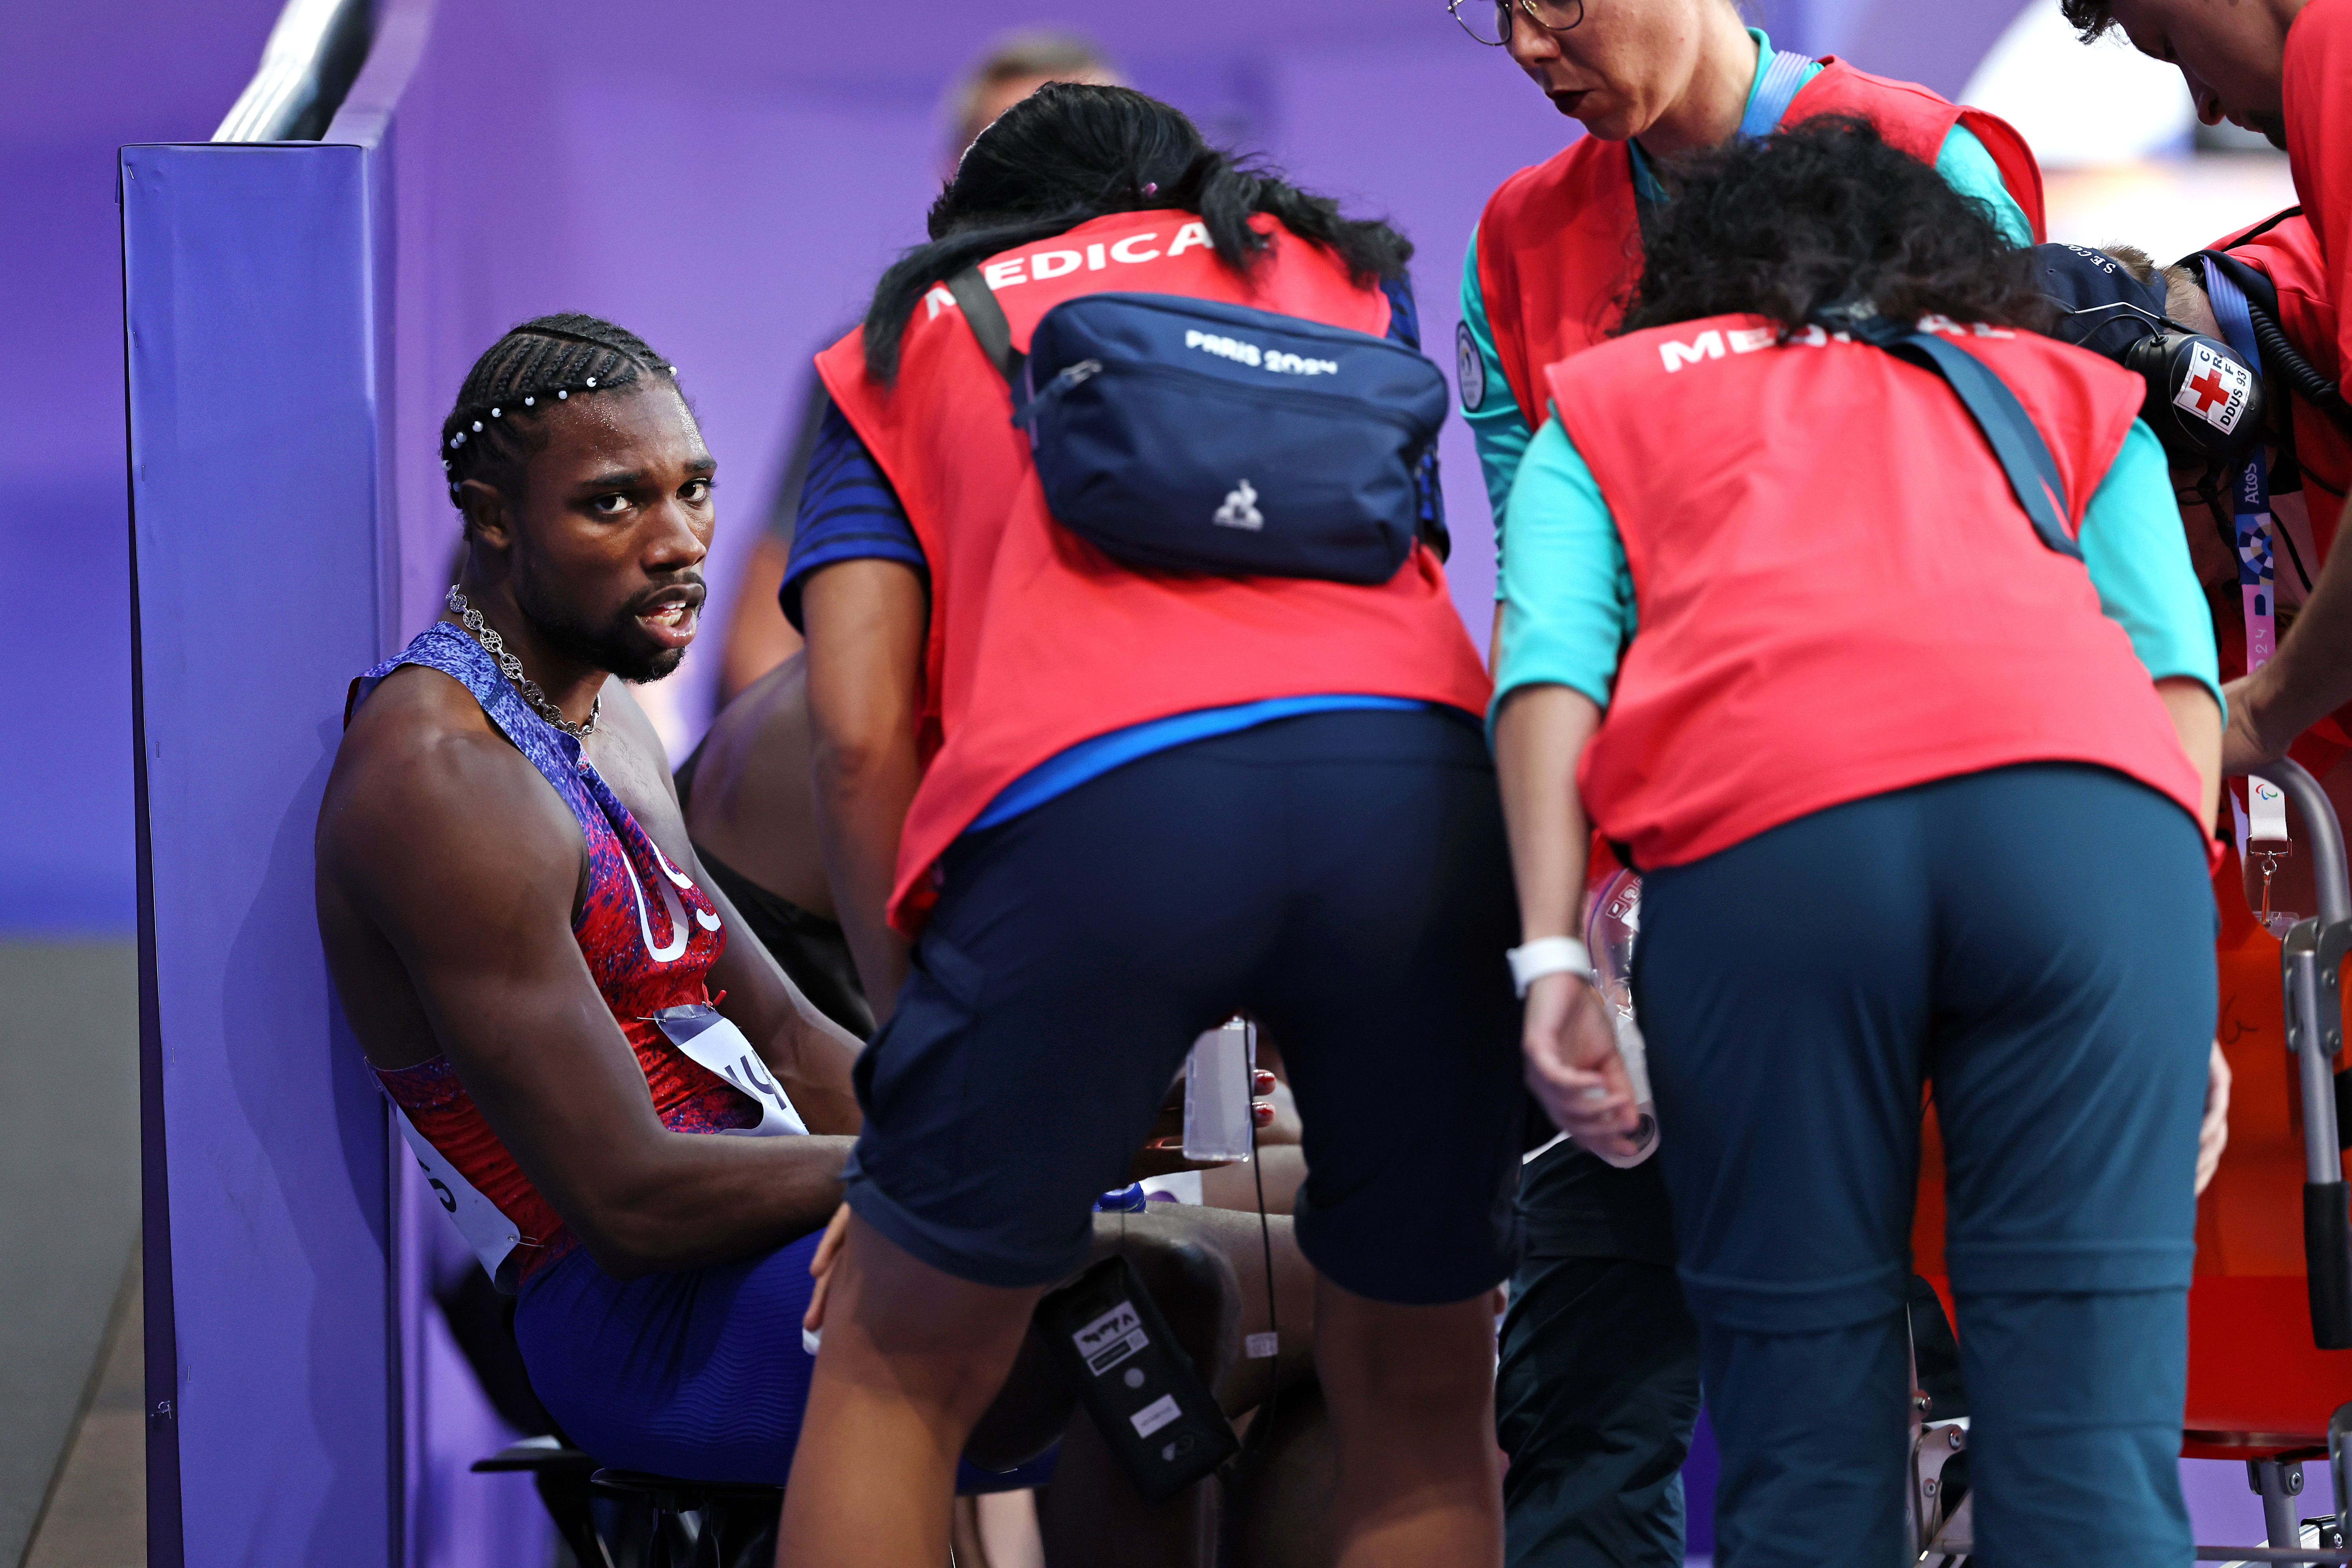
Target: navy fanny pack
{"type": "Point", "coordinates": [1183, 435]}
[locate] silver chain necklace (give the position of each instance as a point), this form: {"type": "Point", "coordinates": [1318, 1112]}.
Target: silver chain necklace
{"type": "Point", "coordinates": [495, 646]}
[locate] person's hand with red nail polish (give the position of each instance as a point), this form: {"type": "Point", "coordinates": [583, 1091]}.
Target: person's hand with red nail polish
{"type": "Point", "coordinates": [1163, 1148]}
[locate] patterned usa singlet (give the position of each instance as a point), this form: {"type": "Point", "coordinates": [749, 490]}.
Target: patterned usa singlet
{"type": "Point", "coordinates": [649, 934]}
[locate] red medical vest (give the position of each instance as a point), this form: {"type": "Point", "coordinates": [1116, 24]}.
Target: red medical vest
{"type": "Point", "coordinates": [2316, 93]}
{"type": "Point", "coordinates": [1559, 246]}
{"type": "Point", "coordinates": [2286, 251]}
{"type": "Point", "coordinates": [1038, 640]}
{"type": "Point", "coordinates": [1837, 593]}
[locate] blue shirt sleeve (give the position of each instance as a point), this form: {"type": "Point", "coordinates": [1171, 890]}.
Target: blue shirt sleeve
{"type": "Point", "coordinates": [2138, 559]}
{"type": "Point", "coordinates": [1567, 595]}
{"type": "Point", "coordinates": [1968, 169]}
{"type": "Point", "coordinates": [1490, 410]}
{"type": "Point", "coordinates": [848, 512]}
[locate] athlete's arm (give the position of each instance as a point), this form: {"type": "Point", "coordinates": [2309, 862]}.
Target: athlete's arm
{"type": "Point", "coordinates": [866, 621]}
{"type": "Point", "coordinates": [447, 876]}
{"type": "Point", "coordinates": [808, 1051]}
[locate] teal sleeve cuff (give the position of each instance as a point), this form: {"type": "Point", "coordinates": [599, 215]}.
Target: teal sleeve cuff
{"type": "Point", "coordinates": [1568, 596]}
{"type": "Point", "coordinates": [1487, 405]}
{"type": "Point", "coordinates": [1968, 169]}
{"type": "Point", "coordinates": [2138, 557]}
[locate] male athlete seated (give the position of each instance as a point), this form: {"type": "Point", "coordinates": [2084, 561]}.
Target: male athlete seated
{"type": "Point", "coordinates": [635, 1117]}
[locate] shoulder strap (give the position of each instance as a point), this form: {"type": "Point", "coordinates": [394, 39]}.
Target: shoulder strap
{"type": "Point", "coordinates": [2024, 457]}
{"type": "Point", "coordinates": [1782, 78]}
{"type": "Point", "coordinates": [986, 318]}
{"type": "Point", "coordinates": [2238, 294]}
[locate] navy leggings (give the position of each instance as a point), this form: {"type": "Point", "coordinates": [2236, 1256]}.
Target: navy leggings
{"type": "Point", "coordinates": [2036, 943]}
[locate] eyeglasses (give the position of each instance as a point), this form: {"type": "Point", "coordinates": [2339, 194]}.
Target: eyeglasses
{"type": "Point", "coordinates": [1489, 21]}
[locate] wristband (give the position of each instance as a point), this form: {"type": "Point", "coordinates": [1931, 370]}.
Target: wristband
{"type": "Point", "coordinates": [1548, 955]}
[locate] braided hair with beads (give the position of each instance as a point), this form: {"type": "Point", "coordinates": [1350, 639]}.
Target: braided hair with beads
{"type": "Point", "coordinates": [493, 430]}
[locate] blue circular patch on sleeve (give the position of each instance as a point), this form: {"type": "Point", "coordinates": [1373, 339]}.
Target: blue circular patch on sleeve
{"type": "Point", "coordinates": [1469, 369]}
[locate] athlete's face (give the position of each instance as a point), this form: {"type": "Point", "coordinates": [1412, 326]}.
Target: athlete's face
{"type": "Point", "coordinates": [1618, 69]}
{"type": "Point", "coordinates": [2232, 53]}
{"type": "Point", "coordinates": [615, 518]}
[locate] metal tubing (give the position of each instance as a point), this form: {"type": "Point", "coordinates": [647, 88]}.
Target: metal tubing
{"type": "Point", "coordinates": [2280, 1483]}
{"type": "Point", "coordinates": [2339, 1465]}
{"type": "Point", "coordinates": [2326, 834]}
{"type": "Point", "coordinates": [2307, 1037]}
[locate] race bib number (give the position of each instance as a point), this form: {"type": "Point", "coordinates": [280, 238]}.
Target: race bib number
{"type": "Point", "coordinates": [486, 1227]}
{"type": "Point", "coordinates": [708, 1038]}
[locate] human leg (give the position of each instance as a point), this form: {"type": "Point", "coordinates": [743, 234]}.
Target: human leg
{"type": "Point", "coordinates": [1206, 1269]}
{"type": "Point", "coordinates": [1400, 1036]}
{"type": "Point", "coordinates": [2070, 1075]}
{"type": "Point", "coordinates": [1074, 955]}
{"type": "Point", "coordinates": [912, 1356]}
{"type": "Point", "coordinates": [1783, 986]}
{"type": "Point", "coordinates": [1595, 1399]}
{"type": "Point", "coordinates": [698, 1372]}
{"type": "Point", "coordinates": [1413, 1418]}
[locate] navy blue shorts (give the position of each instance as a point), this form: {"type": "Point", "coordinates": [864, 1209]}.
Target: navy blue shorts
{"type": "Point", "coordinates": [695, 1372]}
{"type": "Point", "coordinates": [1342, 877]}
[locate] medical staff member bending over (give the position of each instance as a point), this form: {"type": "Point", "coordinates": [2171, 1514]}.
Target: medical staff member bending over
{"type": "Point", "coordinates": [1114, 803]}
{"type": "Point", "coordinates": [1918, 797]}
{"type": "Point", "coordinates": [2283, 68]}
{"type": "Point", "coordinates": [1599, 1384]}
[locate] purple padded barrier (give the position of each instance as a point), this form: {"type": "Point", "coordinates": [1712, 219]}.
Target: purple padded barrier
{"type": "Point", "coordinates": [257, 336]}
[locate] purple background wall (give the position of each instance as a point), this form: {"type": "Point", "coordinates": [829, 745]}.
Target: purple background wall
{"type": "Point", "coordinates": [79, 81]}
{"type": "Point", "coordinates": [727, 186]}
{"type": "Point", "coordinates": [733, 197]}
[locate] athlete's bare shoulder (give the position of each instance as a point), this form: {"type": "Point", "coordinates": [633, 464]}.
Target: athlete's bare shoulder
{"type": "Point", "coordinates": [419, 757]}
{"type": "Point", "coordinates": [437, 839]}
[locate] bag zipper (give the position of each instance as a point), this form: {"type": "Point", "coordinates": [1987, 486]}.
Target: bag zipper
{"type": "Point", "coordinates": [1064, 381]}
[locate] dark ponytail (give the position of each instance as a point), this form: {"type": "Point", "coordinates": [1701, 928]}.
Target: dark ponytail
{"type": "Point", "coordinates": [1073, 152]}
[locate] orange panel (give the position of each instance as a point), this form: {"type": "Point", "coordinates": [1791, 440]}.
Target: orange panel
{"type": "Point", "coordinates": [2257, 1385]}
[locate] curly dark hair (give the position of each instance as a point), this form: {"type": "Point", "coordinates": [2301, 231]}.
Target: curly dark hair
{"type": "Point", "coordinates": [494, 429]}
{"type": "Point", "coordinates": [1825, 213]}
{"type": "Point", "coordinates": [1072, 151]}
{"type": "Point", "coordinates": [2090, 18]}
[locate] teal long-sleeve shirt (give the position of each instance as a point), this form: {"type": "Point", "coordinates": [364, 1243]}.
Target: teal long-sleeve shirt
{"type": "Point", "coordinates": [1568, 595]}
{"type": "Point", "coordinates": [1496, 423]}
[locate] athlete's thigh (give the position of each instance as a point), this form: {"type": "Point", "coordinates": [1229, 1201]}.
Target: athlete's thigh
{"type": "Point", "coordinates": [1781, 986]}
{"type": "Point", "coordinates": [2075, 998]}
{"type": "Point", "coordinates": [697, 1372]}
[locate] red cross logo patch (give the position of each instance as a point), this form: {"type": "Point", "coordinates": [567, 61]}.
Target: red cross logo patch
{"type": "Point", "coordinates": [2216, 389]}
